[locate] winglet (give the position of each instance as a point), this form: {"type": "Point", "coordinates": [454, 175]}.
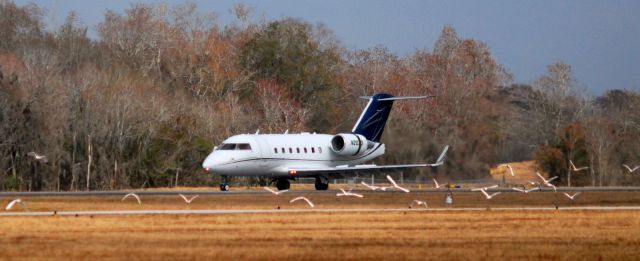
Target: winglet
{"type": "Point", "coordinates": [441, 158]}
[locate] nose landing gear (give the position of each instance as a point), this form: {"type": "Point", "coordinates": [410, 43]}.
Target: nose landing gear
{"type": "Point", "coordinates": [224, 184]}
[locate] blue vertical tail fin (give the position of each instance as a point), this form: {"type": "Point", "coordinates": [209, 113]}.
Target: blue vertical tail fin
{"type": "Point", "coordinates": [374, 117]}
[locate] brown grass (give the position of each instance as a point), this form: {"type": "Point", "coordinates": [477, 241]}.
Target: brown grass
{"type": "Point", "coordinates": [329, 200]}
{"type": "Point", "coordinates": [558, 235]}
{"type": "Point", "coordinates": [485, 235]}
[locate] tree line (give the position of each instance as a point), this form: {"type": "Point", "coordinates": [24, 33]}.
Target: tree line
{"type": "Point", "coordinates": [144, 102]}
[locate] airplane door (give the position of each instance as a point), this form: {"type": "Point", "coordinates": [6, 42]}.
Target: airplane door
{"type": "Point", "coordinates": [265, 152]}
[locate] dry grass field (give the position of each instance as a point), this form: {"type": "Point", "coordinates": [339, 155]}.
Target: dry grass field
{"type": "Point", "coordinates": [525, 171]}
{"type": "Point", "coordinates": [327, 200]}
{"type": "Point", "coordinates": [413, 235]}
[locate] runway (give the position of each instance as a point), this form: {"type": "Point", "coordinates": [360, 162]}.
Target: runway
{"type": "Point", "coordinates": [276, 211]}
{"type": "Point", "coordinates": [256, 192]}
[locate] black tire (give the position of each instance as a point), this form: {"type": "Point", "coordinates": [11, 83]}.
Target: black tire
{"type": "Point", "coordinates": [224, 187]}
{"type": "Point", "coordinates": [283, 184]}
{"type": "Point", "coordinates": [322, 186]}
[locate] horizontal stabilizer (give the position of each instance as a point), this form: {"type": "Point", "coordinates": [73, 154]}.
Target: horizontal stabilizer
{"type": "Point", "coordinates": [399, 97]}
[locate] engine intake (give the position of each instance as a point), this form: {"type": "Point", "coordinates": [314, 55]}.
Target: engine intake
{"type": "Point", "coordinates": [348, 144]}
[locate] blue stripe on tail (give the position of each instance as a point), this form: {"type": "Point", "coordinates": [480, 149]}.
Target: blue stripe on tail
{"type": "Point", "coordinates": [374, 117]}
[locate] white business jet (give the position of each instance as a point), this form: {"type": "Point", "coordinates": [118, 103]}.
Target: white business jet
{"type": "Point", "coordinates": [284, 157]}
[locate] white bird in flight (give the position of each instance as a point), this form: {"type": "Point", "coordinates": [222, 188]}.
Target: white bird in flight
{"type": "Point", "coordinates": [489, 196]}
{"type": "Point", "coordinates": [577, 169]}
{"type": "Point", "coordinates": [572, 197]}
{"type": "Point", "coordinates": [546, 182]}
{"type": "Point", "coordinates": [418, 203]}
{"type": "Point", "coordinates": [437, 184]}
{"type": "Point", "coordinates": [14, 202]}
{"type": "Point", "coordinates": [525, 190]}
{"type": "Point", "coordinates": [188, 200]}
{"type": "Point", "coordinates": [37, 156]}
{"type": "Point", "coordinates": [275, 192]}
{"type": "Point", "coordinates": [631, 170]}
{"type": "Point", "coordinates": [132, 195]}
{"type": "Point", "coordinates": [374, 188]}
{"type": "Point", "coordinates": [371, 187]}
{"type": "Point", "coordinates": [303, 198]}
{"type": "Point", "coordinates": [509, 167]}
{"type": "Point", "coordinates": [348, 193]}
{"type": "Point", "coordinates": [395, 185]}
{"type": "Point", "coordinates": [484, 191]}
{"type": "Point", "coordinates": [484, 188]}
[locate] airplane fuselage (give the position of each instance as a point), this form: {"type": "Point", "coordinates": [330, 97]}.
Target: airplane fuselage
{"type": "Point", "coordinates": [275, 155]}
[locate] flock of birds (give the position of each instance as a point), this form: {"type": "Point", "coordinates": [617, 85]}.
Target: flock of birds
{"type": "Point", "coordinates": [484, 190]}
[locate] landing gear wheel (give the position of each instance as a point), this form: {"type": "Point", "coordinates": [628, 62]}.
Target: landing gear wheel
{"type": "Point", "coordinates": [224, 183]}
{"type": "Point", "coordinates": [322, 183]}
{"type": "Point", "coordinates": [283, 184]}
{"type": "Point", "coordinates": [322, 186]}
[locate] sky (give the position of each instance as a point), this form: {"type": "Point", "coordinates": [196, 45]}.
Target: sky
{"type": "Point", "coordinates": [599, 39]}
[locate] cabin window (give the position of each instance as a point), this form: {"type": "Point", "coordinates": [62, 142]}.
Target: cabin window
{"type": "Point", "coordinates": [319, 150]}
{"type": "Point", "coordinates": [290, 150]}
{"type": "Point", "coordinates": [298, 150]}
{"type": "Point", "coordinates": [275, 150]}
{"type": "Point", "coordinates": [313, 150]}
{"type": "Point", "coordinates": [305, 150]}
{"type": "Point", "coordinates": [282, 150]}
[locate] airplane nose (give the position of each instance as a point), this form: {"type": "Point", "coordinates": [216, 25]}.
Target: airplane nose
{"type": "Point", "coordinates": [208, 163]}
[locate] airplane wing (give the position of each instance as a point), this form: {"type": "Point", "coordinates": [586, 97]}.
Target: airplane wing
{"type": "Point", "coordinates": [346, 169]}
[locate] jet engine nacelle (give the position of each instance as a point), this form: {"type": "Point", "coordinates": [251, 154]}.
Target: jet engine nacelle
{"type": "Point", "coordinates": [349, 144]}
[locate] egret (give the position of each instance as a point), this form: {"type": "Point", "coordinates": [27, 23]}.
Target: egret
{"type": "Point", "coordinates": [546, 182]}
{"type": "Point", "coordinates": [489, 196]}
{"type": "Point", "coordinates": [14, 202]}
{"type": "Point", "coordinates": [484, 188]}
{"type": "Point", "coordinates": [188, 200]}
{"type": "Point", "coordinates": [631, 170]}
{"type": "Point", "coordinates": [275, 192]}
{"type": "Point", "coordinates": [373, 187]}
{"type": "Point", "coordinates": [302, 198]}
{"type": "Point", "coordinates": [572, 197]}
{"type": "Point", "coordinates": [436, 183]}
{"type": "Point", "coordinates": [348, 193]}
{"type": "Point", "coordinates": [577, 169]}
{"type": "Point", "coordinates": [525, 190]}
{"type": "Point", "coordinates": [37, 156]}
{"type": "Point", "coordinates": [132, 195]}
{"type": "Point", "coordinates": [395, 185]}
{"type": "Point", "coordinates": [418, 203]}
{"type": "Point", "coordinates": [509, 167]}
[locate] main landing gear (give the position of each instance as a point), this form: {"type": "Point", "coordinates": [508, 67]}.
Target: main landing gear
{"type": "Point", "coordinates": [283, 184]}
{"type": "Point", "coordinates": [322, 183]}
{"type": "Point", "coordinates": [224, 184]}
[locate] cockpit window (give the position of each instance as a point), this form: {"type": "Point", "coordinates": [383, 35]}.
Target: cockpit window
{"type": "Point", "coordinates": [235, 146]}
{"type": "Point", "coordinates": [228, 146]}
